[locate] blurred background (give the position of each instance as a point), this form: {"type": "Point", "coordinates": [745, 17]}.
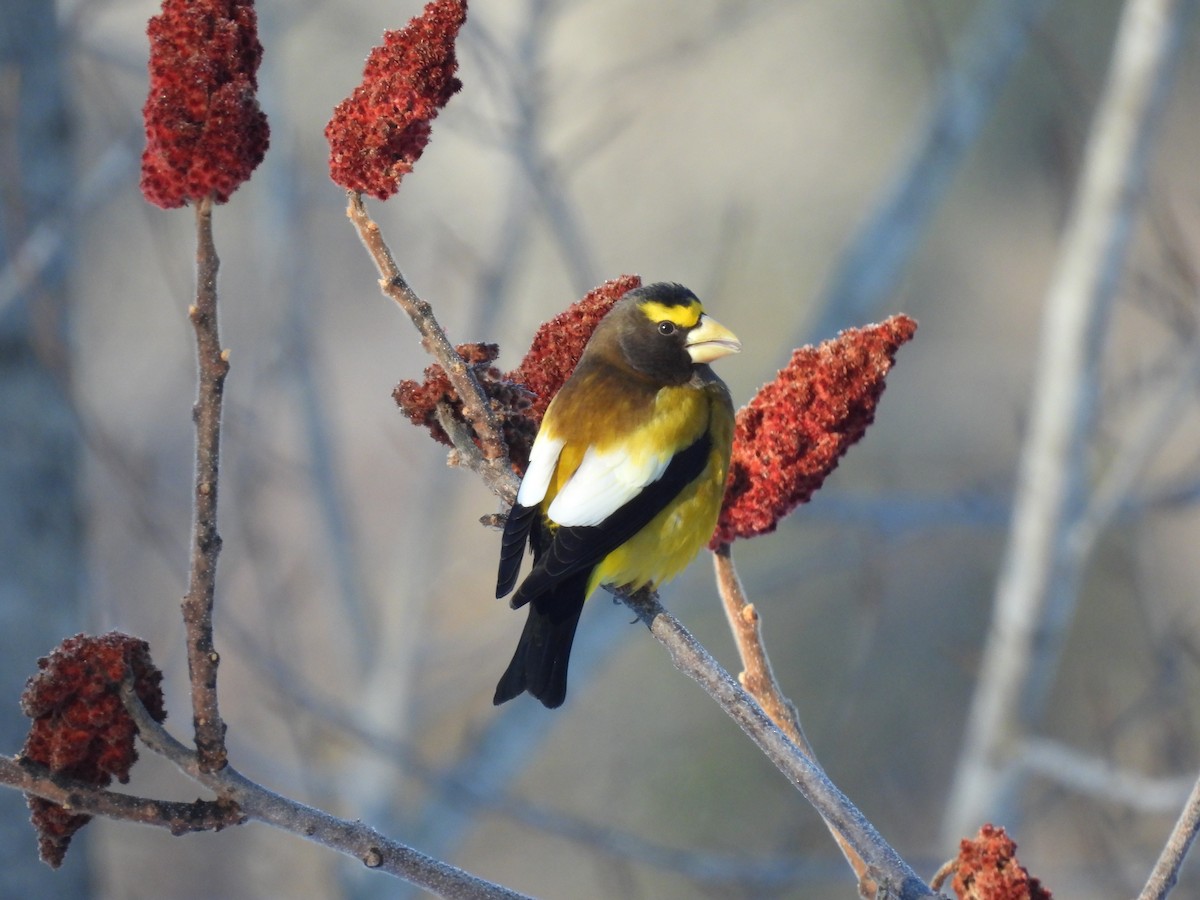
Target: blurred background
{"type": "Point", "coordinates": [804, 166]}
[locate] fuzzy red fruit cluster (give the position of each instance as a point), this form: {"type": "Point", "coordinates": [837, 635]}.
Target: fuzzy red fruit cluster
{"type": "Point", "coordinates": [81, 728]}
{"type": "Point", "coordinates": [792, 434]}
{"type": "Point", "coordinates": [378, 133]}
{"type": "Point", "coordinates": [510, 402]}
{"type": "Point", "coordinates": [987, 869]}
{"type": "Point", "coordinates": [205, 132]}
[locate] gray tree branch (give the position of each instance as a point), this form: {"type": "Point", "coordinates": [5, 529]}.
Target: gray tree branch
{"type": "Point", "coordinates": [1166, 870]}
{"type": "Point", "coordinates": [1038, 582]}
{"type": "Point", "coordinates": [884, 865]}
{"type": "Point", "coordinates": [353, 838]}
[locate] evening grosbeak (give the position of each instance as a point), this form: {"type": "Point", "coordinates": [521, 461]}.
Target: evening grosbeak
{"type": "Point", "coordinates": [625, 478]}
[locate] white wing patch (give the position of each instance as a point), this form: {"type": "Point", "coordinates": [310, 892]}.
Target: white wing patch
{"type": "Point", "coordinates": [603, 483]}
{"type": "Point", "coordinates": [543, 458]}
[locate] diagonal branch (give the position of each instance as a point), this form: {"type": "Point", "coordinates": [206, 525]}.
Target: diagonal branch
{"type": "Point", "coordinates": [476, 407]}
{"type": "Point", "coordinates": [894, 877]}
{"type": "Point", "coordinates": [758, 678]}
{"type": "Point", "coordinates": [213, 365]}
{"type": "Point", "coordinates": [1094, 776]}
{"type": "Point", "coordinates": [463, 792]}
{"type": "Point", "coordinates": [1166, 870]}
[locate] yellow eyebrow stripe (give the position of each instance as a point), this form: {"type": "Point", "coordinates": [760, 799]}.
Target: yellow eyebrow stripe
{"type": "Point", "coordinates": [683, 315]}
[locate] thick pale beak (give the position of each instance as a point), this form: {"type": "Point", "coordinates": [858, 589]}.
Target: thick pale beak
{"type": "Point", "coordinates": [710, 340]}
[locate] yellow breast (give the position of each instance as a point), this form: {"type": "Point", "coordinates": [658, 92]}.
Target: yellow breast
{"type": "Point", "coordinates": [662, 549]}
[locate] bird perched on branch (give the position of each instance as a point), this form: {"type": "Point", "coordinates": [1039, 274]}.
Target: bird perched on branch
{"type": "Point", "coordinates": [625, 478]}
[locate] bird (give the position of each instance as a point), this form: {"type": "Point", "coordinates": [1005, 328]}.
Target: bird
{"type": "Point", "coordinates": [625, 476]}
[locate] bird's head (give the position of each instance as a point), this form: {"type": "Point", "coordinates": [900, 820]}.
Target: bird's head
{"type": "Point", "coordinates": [662, 332]}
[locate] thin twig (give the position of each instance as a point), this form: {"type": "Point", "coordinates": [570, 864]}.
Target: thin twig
{"type": "Point", "coordinates": [1039, 582]}
{"type": "Point", "coordinates": [948, 868]}
{"type": "Point", "coordinates": [1166, 870]}
{"type": "Point", "coordinates": [884, 865]}
{"type": "Point", "coordinates": [87, 799]}
{"type": "Point", "coordinates": [213, 366]}
{"type": "Point", "coordinates": [353, 838]}
{"type": "Point", "coordinates": [476, 408]}
{"type": "Point", "coordinates": [758, 678]}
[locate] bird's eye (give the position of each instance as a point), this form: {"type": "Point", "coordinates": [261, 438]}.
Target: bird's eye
{"type": "Point", "coordinates": [666, 327]}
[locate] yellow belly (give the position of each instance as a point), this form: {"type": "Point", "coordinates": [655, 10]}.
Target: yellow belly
{"type": "Point", "coordinates": [670, 541]}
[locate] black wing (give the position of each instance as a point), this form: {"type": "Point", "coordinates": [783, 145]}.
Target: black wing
{"type": "Point", "coordinates": [512, 546]}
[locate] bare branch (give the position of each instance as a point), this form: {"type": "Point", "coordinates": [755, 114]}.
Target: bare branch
{"type": "Point", "coordinates": [758, 678]}
{"type": "Point", "coordinates": [213, 366]}
{"type": "Point", "coordinates": [1166, 870]}
{"type": "Point", "coordinates": [883, 863]}
{"type": "Point", "coordinates": [1038, 583]}
{"type": "Point", "coordinates": [353, 838]}
{"type": "Point", "coordinates": [476, 408]}
{"type": "Point", "coordinates": [80, 797]}
{"type": "Point", "coordinates": [465, 453]}
{"type": "Point", "coordinates": [463, 789]}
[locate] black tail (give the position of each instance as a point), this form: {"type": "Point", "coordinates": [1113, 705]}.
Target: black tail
{"type": "Point", "coordinates": [540, 663]}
